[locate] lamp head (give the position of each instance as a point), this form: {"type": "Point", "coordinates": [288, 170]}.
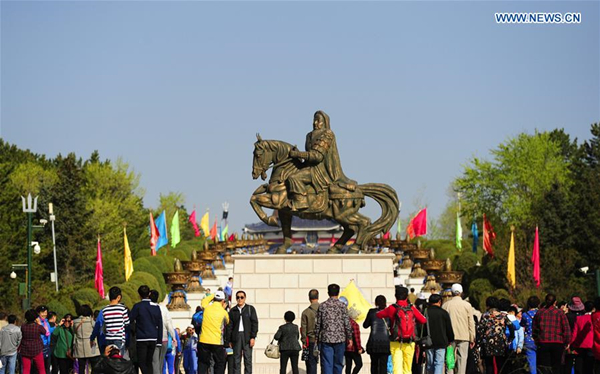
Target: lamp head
{"type": "Point", "coordinates": [13, 275]}
{"type": "Point", "coordinates": [36, 248]}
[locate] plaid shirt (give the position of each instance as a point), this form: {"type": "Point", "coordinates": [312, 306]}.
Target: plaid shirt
{"type": "Point", "coordinates": [550, 325]}
{"type": "Point", "coordinates": [356, 344]}
{"type": "Point", "coordinates": [31, 344]}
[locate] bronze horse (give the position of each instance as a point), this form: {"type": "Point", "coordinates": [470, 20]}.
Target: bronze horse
{"type": "Point", "coordinates": [335, 203]}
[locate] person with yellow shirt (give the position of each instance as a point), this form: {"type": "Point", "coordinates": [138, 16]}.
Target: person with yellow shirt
{"type": "Point", "coordinates": [212, 343]}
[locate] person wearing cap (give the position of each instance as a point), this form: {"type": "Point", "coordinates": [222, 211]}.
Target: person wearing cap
{"type": "Point", "coordinates": [552, 334]}
{"type": "Point", "coordinates": [463, 326]}
{"type": "Point", "coordinates": [212, 339]}
{"type": "Point", "coordinates": [242, 331]}
{"type": "Point", "coordinates": [582, 341]}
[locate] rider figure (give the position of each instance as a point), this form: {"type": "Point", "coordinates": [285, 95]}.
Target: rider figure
{"type": "Point", "coordinates": [322, 164]}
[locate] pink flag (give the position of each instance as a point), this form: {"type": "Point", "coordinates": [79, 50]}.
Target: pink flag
{"type": "Point", "coordinates": [535, 258]}
{"type": "Point", "coordinates": [386, 235]}
{"type": "Point", "coordinates": [153, 235]}
{"type": "Point", "coordinates": [99, 275]}
{"type": "Point", "coordinates": [193, 221]}
{"type": "Point", "coordinates": [488, 237]}
{"type": "Point", "coordinates": [418, 225]}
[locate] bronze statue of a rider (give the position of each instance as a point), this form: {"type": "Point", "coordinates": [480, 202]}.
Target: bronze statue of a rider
{"type": "Point", "coordinates": [321, 166]}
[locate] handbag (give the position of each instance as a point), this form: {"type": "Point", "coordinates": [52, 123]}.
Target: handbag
{"type": "Point", "coordinates": [305, 351]}
{"type": "Point", "coordinates": [272, 350]}
{"type": "Point", "coordinates": [426, 342]}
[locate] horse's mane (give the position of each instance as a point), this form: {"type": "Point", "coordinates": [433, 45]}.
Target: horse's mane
{"type": "Point", "coordinates": [281, 148]}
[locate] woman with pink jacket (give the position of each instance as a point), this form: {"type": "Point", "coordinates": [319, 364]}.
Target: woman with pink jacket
{"type": "Point", "coordinates": [582, 341]}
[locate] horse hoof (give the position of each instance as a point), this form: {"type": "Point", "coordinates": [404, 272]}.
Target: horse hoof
{"type": "Point", "coordinates": [333, 250]}
{"type": "Point", "coordinates": [281, 251]}
{"type": "Point", "coordinates": [353, 250]}
{"type": "Point", "coordinates": [272, 221]}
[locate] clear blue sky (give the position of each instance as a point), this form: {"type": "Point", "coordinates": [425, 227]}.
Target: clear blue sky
{"type": "Point", "coordinates": [179, 89]}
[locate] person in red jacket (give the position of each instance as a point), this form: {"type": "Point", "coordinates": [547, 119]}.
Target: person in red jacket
{"type": "Point", "coordinates": [596, 341]}
{"type": "Point", "coordinates": [402, 350]}
{"type": "Point", "coordinates": [582, 341]}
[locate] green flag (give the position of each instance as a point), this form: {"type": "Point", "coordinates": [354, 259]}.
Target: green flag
{"type": "Point", "coordinates": [458, 232]}
{"type": "Point", "coordinates": [175, 238]}
{"type": "Point", "coordinates": [225, 232]}
{"type": "Point", "coordinates": [399, 227]}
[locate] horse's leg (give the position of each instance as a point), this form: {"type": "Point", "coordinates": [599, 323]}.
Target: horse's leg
{"type": "Point", "coordinates": [285, 216]}
{"type": "Point", "coordinates": [360, 222]}
{"type": "Point", "coordinates": [260, 200]}
{"type": "Point", "coordinates": [339, 244]}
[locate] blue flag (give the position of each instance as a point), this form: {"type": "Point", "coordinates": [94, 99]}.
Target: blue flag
{"type": "Point", "coordinates": [161, 224]}
{"type": "Point", "coordinates": [475, 235]}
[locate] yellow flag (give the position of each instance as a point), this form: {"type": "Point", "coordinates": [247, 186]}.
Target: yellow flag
{"type": "Point", "coordinates": [128, 261]}
{"type": "Point", "coordinates": [356, 301]}
{"type": "Point", "coordinates": [510, 271]}
{"type": "Point", "coordinates": [204, 224]}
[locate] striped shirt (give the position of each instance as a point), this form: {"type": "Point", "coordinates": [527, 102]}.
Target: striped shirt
{"type": "Point", "coordinates": [116, 318]}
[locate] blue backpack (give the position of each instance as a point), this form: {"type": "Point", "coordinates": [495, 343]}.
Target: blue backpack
{"type": "Point", "coordinates": [197, 321]}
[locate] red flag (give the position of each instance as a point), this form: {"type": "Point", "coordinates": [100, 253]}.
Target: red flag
{"type": "Point", "coordinates": [535, 258]}
{"type": "Point", "coordinates": [213, 230]}
{"type": "Point", "coordinates": [488, 236]}
{"type": "Point", "coordinates": [99, 275]}
{"type": "Point", "coordinates": [153, 235]}
{"type": "Point", "coordinates": [231, 237]}
{"type": "Point", "coordinates": [418, 225]}
{"type": "Point", "coordinates": [192, 219]}
{"type": "Point", "coordinates": [386, 235]}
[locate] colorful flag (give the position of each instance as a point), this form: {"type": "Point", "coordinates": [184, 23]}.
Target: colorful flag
{"type": "Point", "coordinates": [192, 219]}
{"type": "Point", "coordinates": [128, 260]}
{"type": "Point", "coordinates": [475, 234]}
{"type": "Point", "coordinates": [386, 235]}
{"type": "Point", "coordinates": [418, 225]}
{"type": "Point", "coordinates": [510, 269]}
{"type": "Point", "coordinates": [356, 301]}
{"type": "Point", "coordinates": [204, 225]}
{"type": "Point", "coordinates": [99, 275]}
{"type": "Point", "coordinates": [161, 224]}
{"type": "Point", "coordinates": [399, 227]}
{"type": "Point", "coordinates": [231, 237]}
{"type": "Point", "coordinates": [175, 234]}
{"type": "Point", "coordinates": [535, 258]}
{"type": "Point", "coordinates": [224, 233]}
{"type": "Point", "coordinates": [488, 237]}
{"type": "Point", "coordinates": [213, 231]}
{"type": "Point", "coordinates": [458, 232]}
{"type": "Point", "coordinates": [153, 235]}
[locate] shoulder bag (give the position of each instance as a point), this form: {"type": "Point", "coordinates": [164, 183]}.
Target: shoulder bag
{"type": "Point", "coordinates": [272, 350]}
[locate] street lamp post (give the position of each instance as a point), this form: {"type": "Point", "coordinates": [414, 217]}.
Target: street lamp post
{"type": "Point", "coordinates": [29, 207]}
{"type": "Point", "coordinates": [52, 219]}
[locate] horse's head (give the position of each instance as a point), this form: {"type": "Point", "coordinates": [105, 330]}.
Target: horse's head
{"type": "Point", "coordinates": [266, 153]}
{"type": "Point", "coordinates": [262, 159]}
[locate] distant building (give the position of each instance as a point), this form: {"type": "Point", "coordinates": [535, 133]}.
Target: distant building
{"type": "Point", "coordinates": [307, 235]}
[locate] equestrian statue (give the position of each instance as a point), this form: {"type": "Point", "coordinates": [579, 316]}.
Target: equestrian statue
{"type": "Point", "coordinates": [312, 185]}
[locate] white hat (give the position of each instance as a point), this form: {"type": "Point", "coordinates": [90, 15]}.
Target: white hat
{"type": "Point", "coordinates": [219, 295]}
{"type": "Point", "coordinates": [457, 288]}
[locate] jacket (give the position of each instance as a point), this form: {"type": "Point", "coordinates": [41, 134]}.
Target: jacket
{"type": "Point", "coordinates": [379, 337]}
{"type": "Point", "coordinates": [596, 327]}
{"type": "Point", "coordinates": [461, 315]}
{"type": "Point", "coordinates": [519, 333]}
{"type": "Point", "coordinates": [146, 318]}
{"type": "Point", "coordinates": [287, 337]}
{"type": "Point", "coordinates": [83, 328]}
{"type": "Point", "coordinates": [391, 312]}
{"type": "Point", "coordinates": [167, 323]}
{"type": "Point", "coordinates": [64, 342]}
{"type": "Point", "coordinates": [10, 338]}
{"type": "Point", "coordinates": [114, 366]}
{"type": "Point", "coordinates": [440, 326]}
{"type": "Point", "coordinates": [583, 333]}
{"type": "Point", "coordinates": [214, 322]}
{"type": "Point", "coordinates": [250, 322]}
{"type": "Point", "coordinates": [307, 323]}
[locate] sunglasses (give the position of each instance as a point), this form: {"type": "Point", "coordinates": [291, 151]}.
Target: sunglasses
{"type": "Point", "coordinates": [240, 297]}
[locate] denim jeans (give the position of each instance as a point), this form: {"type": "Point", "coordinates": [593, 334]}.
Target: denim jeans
{"type": "Point", "coordinates": [435, 360]}
{"type": "Point", "coordinates": [332, 357]}
{"type": "Point", "coordinates": [8, 364]}
{"type": "Point", "coordinates": [119, 343]}
{"type": "Point", "coordinates": [311, 363]}
{"type": "Point", "coordinates": [530, 353]}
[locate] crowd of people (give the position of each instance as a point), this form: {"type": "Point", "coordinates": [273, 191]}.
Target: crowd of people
{"type": "Point", "coordinates": [443, 334]}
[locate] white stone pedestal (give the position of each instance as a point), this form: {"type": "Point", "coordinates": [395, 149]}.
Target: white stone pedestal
{"type": "Point", "coordinates": [275, 284]}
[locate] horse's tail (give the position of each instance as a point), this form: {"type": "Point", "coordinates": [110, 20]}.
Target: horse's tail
{"type": "Point", "coordinates": [387, 199]}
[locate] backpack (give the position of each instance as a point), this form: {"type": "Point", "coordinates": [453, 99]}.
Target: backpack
{"type": "Point", "coordinates": [403, 329]}
{"type": "Point", "coordinates": [197, 322]}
